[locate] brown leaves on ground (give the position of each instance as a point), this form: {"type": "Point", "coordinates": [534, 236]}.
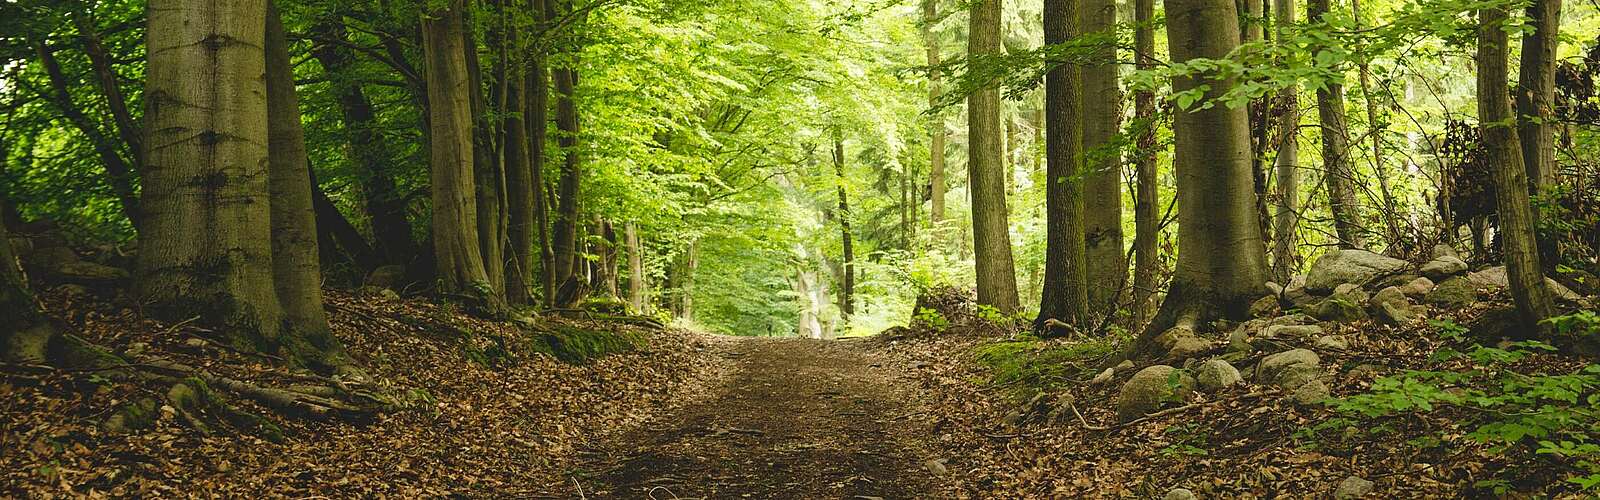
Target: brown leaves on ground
{"type": "Point", "coordinates": [485, 432]}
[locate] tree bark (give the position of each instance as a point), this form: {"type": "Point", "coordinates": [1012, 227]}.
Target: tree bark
{"type": "Point", "coordinates": [384, 206]}
{"type": "Point", "coordinates": [566, 223]}
{"type": "Point", "coordinates": [1146, 223]}
{"type": "Point", "coordinates": [1536, 110]}
{"type": "Point", "coordinates": [1391, 223]}
{"type": "Point", "coordinates": [119, 173]}
{"type": "Point", "coordinates": [488, 176]}
{"type": "Point", "coordinates": [1221, 262]}
{"type": "Point", "coordinates": [847, 291]}
{"type": "Point", "coordinates": [936, 174]}
{"type": "Point", "coordinates": [991, 233]}
{"type": "Point", "coordinates": [1064, 296]}
{"type": "Point", "coordinates": [1336, 151]}
{"type": "Point", "coordinates": [206, 235]}
{"type": "Point", "coordinates": [536, 115]}
{"type": "Point", "coordinates": [1286, 217]}
{"type": "Point", "coordinates": [455, 216]}
{"type": "Point", "coordinates": [635, 268]}
{"type": "Point", "coordinates": [520, 193]}
{"type": "Point", "coordinates": [1102, 122]}
{"type": "Point", "coordinates": [1516, 229]}
{"type": "Point", "coordinates": [110, 86]}
{"type": "Point", "coordinates": [296, 271]}
{"type": "Point", "coordinates": [26, 334]}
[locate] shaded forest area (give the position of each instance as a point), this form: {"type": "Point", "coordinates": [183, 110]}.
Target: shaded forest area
{"type": "Point", "coordinates": [1038, 248]}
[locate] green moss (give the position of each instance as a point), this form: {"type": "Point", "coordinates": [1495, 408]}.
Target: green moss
{"type": "Point", "coordinates": [1027, 367]}
{"type": "Point", "coordinates": [581, 346]}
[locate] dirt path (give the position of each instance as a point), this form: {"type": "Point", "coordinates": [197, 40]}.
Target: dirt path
{"type": "Point", "coordinates": [792, 419]}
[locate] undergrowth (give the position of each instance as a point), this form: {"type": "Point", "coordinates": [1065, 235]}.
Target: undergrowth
{"type": "Point", "coordinates": [1028, 366]}
{"type": "Point", "coordinates": [569, 344]}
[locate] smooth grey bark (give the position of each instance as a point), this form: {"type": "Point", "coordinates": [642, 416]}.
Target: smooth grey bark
{"type": "Point", "coordinates": [459, 263]}
{"type": "Point", "coordinates": [936, 170]}
{"type": "Point", "coordinates": [1102, 122]}
{"type": "Point", "coordinates": [1286, 213]}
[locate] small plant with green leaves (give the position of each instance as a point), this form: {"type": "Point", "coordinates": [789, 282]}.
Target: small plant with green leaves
{"type": "Point", "coordinates": [929, 318]}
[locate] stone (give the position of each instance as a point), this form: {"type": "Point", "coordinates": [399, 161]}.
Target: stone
{"type": "Point", "coordinates": [1291, 331]}
{"type": "Point", "coordinates": [1444, 267]}
{"type": "Point", "coordinates": [1346, 288]}
{"type": "Point", "coordinates": [1169, 338]}
{"type": "Point", "coordinates": [194, 342]}
{"type": "Point", "coordinates": [1216, 374]}
{"type": "Point", "coordinates": [1265, 307]}
{"type": "Point", "coordinates": [1396, 280]}
{"type": "Point", "coordinates": [936, 467]}
{"type": "Point", "coordinates": [1310, 393]}
{"type": "Point", "coordinates": [1149, 389]}
{"type": "Point", "coordinates": [1495, 277]}
{"type": "Point", "coordinates": [1125, 365]}
{"type": "Point", "coordinates": [1332, 342]}
{"type": "Point", "coordinates": [1273, 366]}
{"type": "Point", "coordinates": [1342, 308]}
{"type": "Point", "coordinates": [1187, 348]}
{"type": "Point", "coordinates": [1292, 319]}
{"type": "Point", "coordinates": [390, 276]}
{"type": "Point", "coordinates": [1293, 377]}
{"type": "Point", "coordinates": [1395, 313]}
{"type": "Point", "coordinates": [1353, 487]}
{"type": "Point", "coordinates": [1417, 288]}
{"type": "Point", "coordinates": [1275, 288]}
{"type": "Point", "coordinates": [1358, 267]}
{"type": "Point", "coordinates": [1239, 340]}
{"type": "Point", "coordinates": [1443, 250]}
{"type": "Point", "coordinates": [1104, 377]}
{"type": "Point", "coordinates": [1454, 292]}
{"type": "Point", "coordinates": [1295, 292]}
{"type": "Point", "coordinates": [1365, 371]}
{"type": "Point", "coordinates": [1180, 494]}
{"type": "Point", "coordinates": [388, 294]}
{"type": "Point", "coordinates": [1390, 294]}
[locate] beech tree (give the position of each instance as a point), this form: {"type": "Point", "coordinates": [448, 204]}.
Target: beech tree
{"type": "Point", "coordinates": [1535, 106]}
{"type": "Point", "coordinates": [1102, 112]}
{"type": "Point", "coordinates": [1065, 296]}
{"type": "Point", "coordinates": [1145, 168]}
{"type": "Point", "coordinates": [936, 132]}
{"type": "Point", "coordinates": [1221, 264]}
{"type": "Point", "coordinates": [1286, 191]}
{"type": "Point", "coordinates": [460, 269]}
{"type": "Point", "coordinates": [1338, 171]}
{"type": "Point", "coordinates": [991, 234]}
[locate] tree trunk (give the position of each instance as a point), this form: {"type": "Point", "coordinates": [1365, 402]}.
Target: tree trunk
{"type": "Point", "coordinates": [1221, 262]}
{"type": "Point", "coordinates": [1102, 122]}
{"type": "Point", "coordinates": [1515, 209]}
{"type": "Point", "coordinates": [455, 215]}
{"type": "Point", "coordinates": [296, 271]}
{"type": "Point", "coordinates": [1064, 296]}
{"type": "Point", "coordinates": [520, 193]}
{"type": "Point", "coordinates": [991, 233]}
{"type": "Point", "coordinates": [1146, 223]}
{"type": "Point", "coordinates": [384, 206]}
{"type": "Point", "coordinates": [1336, 151]}
{"type": "Point", "coordinates": [635, 268]}
{"type": "Point", "coordinates": [1535, 109]}
{"type": "Point", "coordinates": [936, 176]}
{"type": "Point", "coordinates": [536, 116]}
{"type": "Point", "coordinates": [488, 177]}
{"type": "Point", "coordinates": [119, 173]}
{"type": "Point", "coordinates": [206, 235]}
{"type": "Point", "coordinates": [847, 291]}
{"type": "Point", "coordinates": [1364, 70]}
{"type": "Point", "coordinates": [334, 230]}
{"type": "Point", "coordinates": [25, 335]}
{"type": "Point", "coordinates": [566, 226]}
{"type": "Point", "coordinates": [1286, 217]}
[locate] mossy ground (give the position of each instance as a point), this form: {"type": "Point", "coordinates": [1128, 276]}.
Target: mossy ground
{"type": "Point", "coordinates": [1025, 366]}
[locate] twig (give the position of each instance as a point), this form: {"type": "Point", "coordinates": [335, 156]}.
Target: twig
{"type": "Point", "coordinates": [1081, 420]}
{"type": "Point", "coordinates": [580, 487]}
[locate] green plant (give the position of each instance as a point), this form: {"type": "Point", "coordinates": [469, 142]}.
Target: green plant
{"type": "Point", "coordinates": [930, 318]}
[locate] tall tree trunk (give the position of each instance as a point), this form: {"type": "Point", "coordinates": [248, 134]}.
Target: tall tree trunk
{"type": "Point", "coordinates": [384, 206]}
{"type": "Point", "coordinates": [520, 193]}
{"type": "Point", "coordinates": [846, 292]}
{"type": "Point", "coordinates": [1102, 122]}
{"type": "Point", "coordinates": [488, 176]}
{"type": "Point", "coordinates": [1535, 109]}
{"type": "Point", "coordinates": [334, 230]}
{"type": "Point", "coordinates": [206, 235]}
{"type": "Point", "coordinates": [25, 335]}
{"type": "Point", "coordinates": [1286, 217]}
{"type": "Point", "coordinates": [1221, 263]}
{"type": "Point", "coordinates": [635, 268]}
{"type": "Point", "coordinates": [296, 271]}
{"type": "Point", "coordinates": [1336, 151]}
{"type": "Point", "coordinates": [991, 233]}
{"type": "Point", "coordinates": [936, 175]}
{"type": "Point", "coordinates": [1516, 230]}
{"type": "Point", "coordinates": [1064, 296]}
{"type": "Point", "coordinates": [1253, 29]}
{"type": "Point", "coordinates": [1146, 225]}
{"type": "Point", "coordinates": [536, 115]}
{"type": "Point", "coordinates": [455, 215]}
{"type": "Point", "coordinates": [119, 173]}
{"type": "Point", "coordinates": [566, 223]}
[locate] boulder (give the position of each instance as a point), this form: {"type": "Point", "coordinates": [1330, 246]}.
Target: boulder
{"type": "Point", "coordinates": [1265, 307]}
{"type": "Point", "coordinates": [1332, 342]}
{"type": "Point", "coordinates": [1216, 374]}
{"type": "Point", "coordinates": [1291, 331]}
{"type": "Point", "coordinates": [1396, 280]}
{"type": "Point", "coordinates": [1275, 288]}
{"type": "Point", "coordinates": [1104, 377]}
{"type": "Point", "coordinates": [1180, 494]}
{"type": "Point", "coordinates": [1444, 267]}
{"type": "Point", "coordinates": [1275, 366]}
{"type": "Point", "coordinates": [1495, 277]}
{"type": "Point", "coordinates": [1310, 393]}
{"type": "Point", "coordinates": [1352, 487]}
{"type": "Point", "coordinates": [1125, 365]}
{"type": "Point", "coordinates": [1341, 308]}
{"type": "Point", "coordinates": [1454, 292]}
{"type": "Point", "coordinates": [1390, 294]}
{"type": "Point", "coordinates": [1358, 267]}
{"type": "Point", "coordinates": [1345, 288]}
{"type": "Point", "coordinates": [1187, 348]}
{"type": "Point", "coordinates": [1417, 288]}
{"type": "Point", "coordinates": [1393, 313]}
{"type": "Point", "coordinates": [1295, 292]}
{"type": "Point", "coordinates": [1292, 319]}
{"type": "Point", "coordinates": [1239, 340]}
{"type": "Point", "coordinates": [1443, 250]}
{"type": "Point", "coordinates": [1150, 388]}
{"type": "Point", "coordinates": [390, 276]}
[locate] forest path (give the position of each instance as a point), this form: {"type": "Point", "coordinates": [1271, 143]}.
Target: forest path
{"type": "Point", "coordinates": [792, 418]}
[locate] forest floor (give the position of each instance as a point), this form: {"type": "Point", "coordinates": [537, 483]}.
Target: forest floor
{"type": "Point", "coordinates": [795, 418]}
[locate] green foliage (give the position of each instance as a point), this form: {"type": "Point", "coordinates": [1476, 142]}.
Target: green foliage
{"type": "Point", "coordinates": [1026, 367]}
{"type": "Point", "coordinates": [1554, 415]}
